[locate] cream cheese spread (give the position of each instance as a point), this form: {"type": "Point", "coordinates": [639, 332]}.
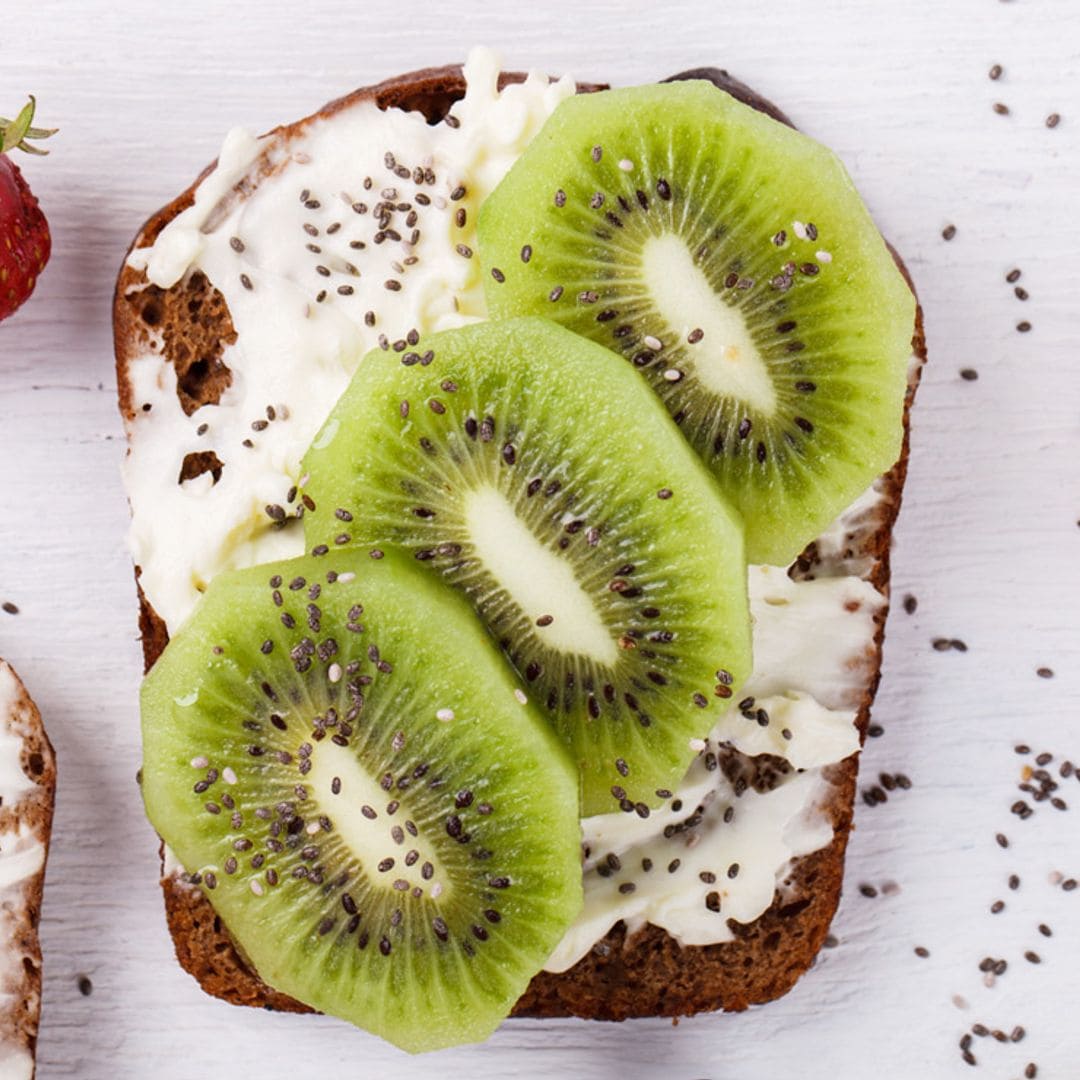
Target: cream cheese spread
{"type": "Point", "coordinates": [14, 783]}
{"type": "Point", "coordinates": [16, 1063]}
{"type": "Point", "coordinates": [301, 266]}
{"type": "Point", "coordinates": [718, 849]}
{"type": "Point", "coordinates": [300, 292]}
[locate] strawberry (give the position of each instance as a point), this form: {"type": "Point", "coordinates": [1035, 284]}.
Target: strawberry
{"type": "Point", "coordinates": [24, 233]}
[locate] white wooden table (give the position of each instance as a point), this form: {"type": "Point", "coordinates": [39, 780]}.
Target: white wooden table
{"type": "Point", "coordinates": [988, 540]}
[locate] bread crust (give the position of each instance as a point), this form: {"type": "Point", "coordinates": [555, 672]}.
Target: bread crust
{"type": "Point", "coordinates": [20, 904]}
{"type": "Point", "coordinates": [649, 973]}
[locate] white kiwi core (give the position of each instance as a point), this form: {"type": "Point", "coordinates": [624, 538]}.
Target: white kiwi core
{"type": "Point", "coordinates": [541, 583]}
{"type": "Point", "coordinates": [724, 358]}
{"type": "Point", "coordinates": [373, 840]}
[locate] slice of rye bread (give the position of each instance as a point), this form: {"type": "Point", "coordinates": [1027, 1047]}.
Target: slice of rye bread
{"type": "Point", "coordinates": [649, 973]}
{"type": "Point", "coordinates": [26, 814]}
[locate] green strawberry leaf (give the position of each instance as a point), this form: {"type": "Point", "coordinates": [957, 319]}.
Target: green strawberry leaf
{"type": "Point", "coordinates": [17, 133]}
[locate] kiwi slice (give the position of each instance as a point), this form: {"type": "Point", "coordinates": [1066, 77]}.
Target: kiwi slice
{"type": "Point", "coordinates": [336, 752]}
{"type": "Point", "coordinates": [730, 260]}
{"type": "Point", "coordinates": [531, 469]}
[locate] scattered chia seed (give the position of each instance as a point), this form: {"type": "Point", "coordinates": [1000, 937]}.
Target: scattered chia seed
{"type": "Point", "coordinates": [1053, 120]}
{"type": "Point", "coordinates": [968, 374]}
{"type": "Point", "coordinates": [922, 951]}
{"type": "Point", "coordinates": [948, 232]}
{"type": "Point", "coordinates": [945, 644]}
{"type": "Point", "coordinates": [1044, 673]}
{"type": "Point", "coordinates": [910, 604]}
{"type": "Point", "coordinates": [1001, 108]}
{"type": "Point", "coordinates": [86, 987]}
{"type": "Point", "coordinates": [996, 72]}
{"type": "Point", "coordinates": [9, 607]}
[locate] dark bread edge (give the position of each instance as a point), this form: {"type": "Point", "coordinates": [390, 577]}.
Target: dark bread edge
{"type": "Point", "coordinates": [649, 974]}
{"type": "Point", "coordinates": [35, 809]}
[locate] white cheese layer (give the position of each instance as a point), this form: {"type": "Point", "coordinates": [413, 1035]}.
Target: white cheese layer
{"type": "Point", "coordinates": [294, 352]}
{"type": "Point", "coordinates": [294, 355]}
{"type": "Point", "coordinates": [14, 783]}
{"type": "Point", "coordinates": [727, 849]}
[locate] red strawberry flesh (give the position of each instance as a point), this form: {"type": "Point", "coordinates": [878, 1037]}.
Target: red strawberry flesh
{"type": "Point", "coordinates": [25, 243]}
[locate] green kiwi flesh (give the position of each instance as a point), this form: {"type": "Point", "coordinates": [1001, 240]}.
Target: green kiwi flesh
{"type": "Point", "coordinates": [531, 469]}
{"type": "Point", "coordinates": [731, 261]}
{"type": "Point", "coordinates": [337, 754]}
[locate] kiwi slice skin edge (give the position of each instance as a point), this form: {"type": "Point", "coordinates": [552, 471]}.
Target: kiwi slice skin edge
{"type": "Point", "coordinates": [532, 470]}
{"type": "Point", "coordinates": [730, 260]}
{"type": "Point", "coordinates": [389, 834]}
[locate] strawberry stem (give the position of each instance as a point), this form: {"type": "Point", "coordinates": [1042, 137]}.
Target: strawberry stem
{"type": "Point", "coordinates": [17, 133]}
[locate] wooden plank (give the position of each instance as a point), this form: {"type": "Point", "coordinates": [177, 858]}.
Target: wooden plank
{"type": "Point", "coordinates": [988, 541]}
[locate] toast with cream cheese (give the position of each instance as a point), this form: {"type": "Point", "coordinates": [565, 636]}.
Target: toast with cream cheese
{"type": "Point", "coordinates": [208, 392]}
